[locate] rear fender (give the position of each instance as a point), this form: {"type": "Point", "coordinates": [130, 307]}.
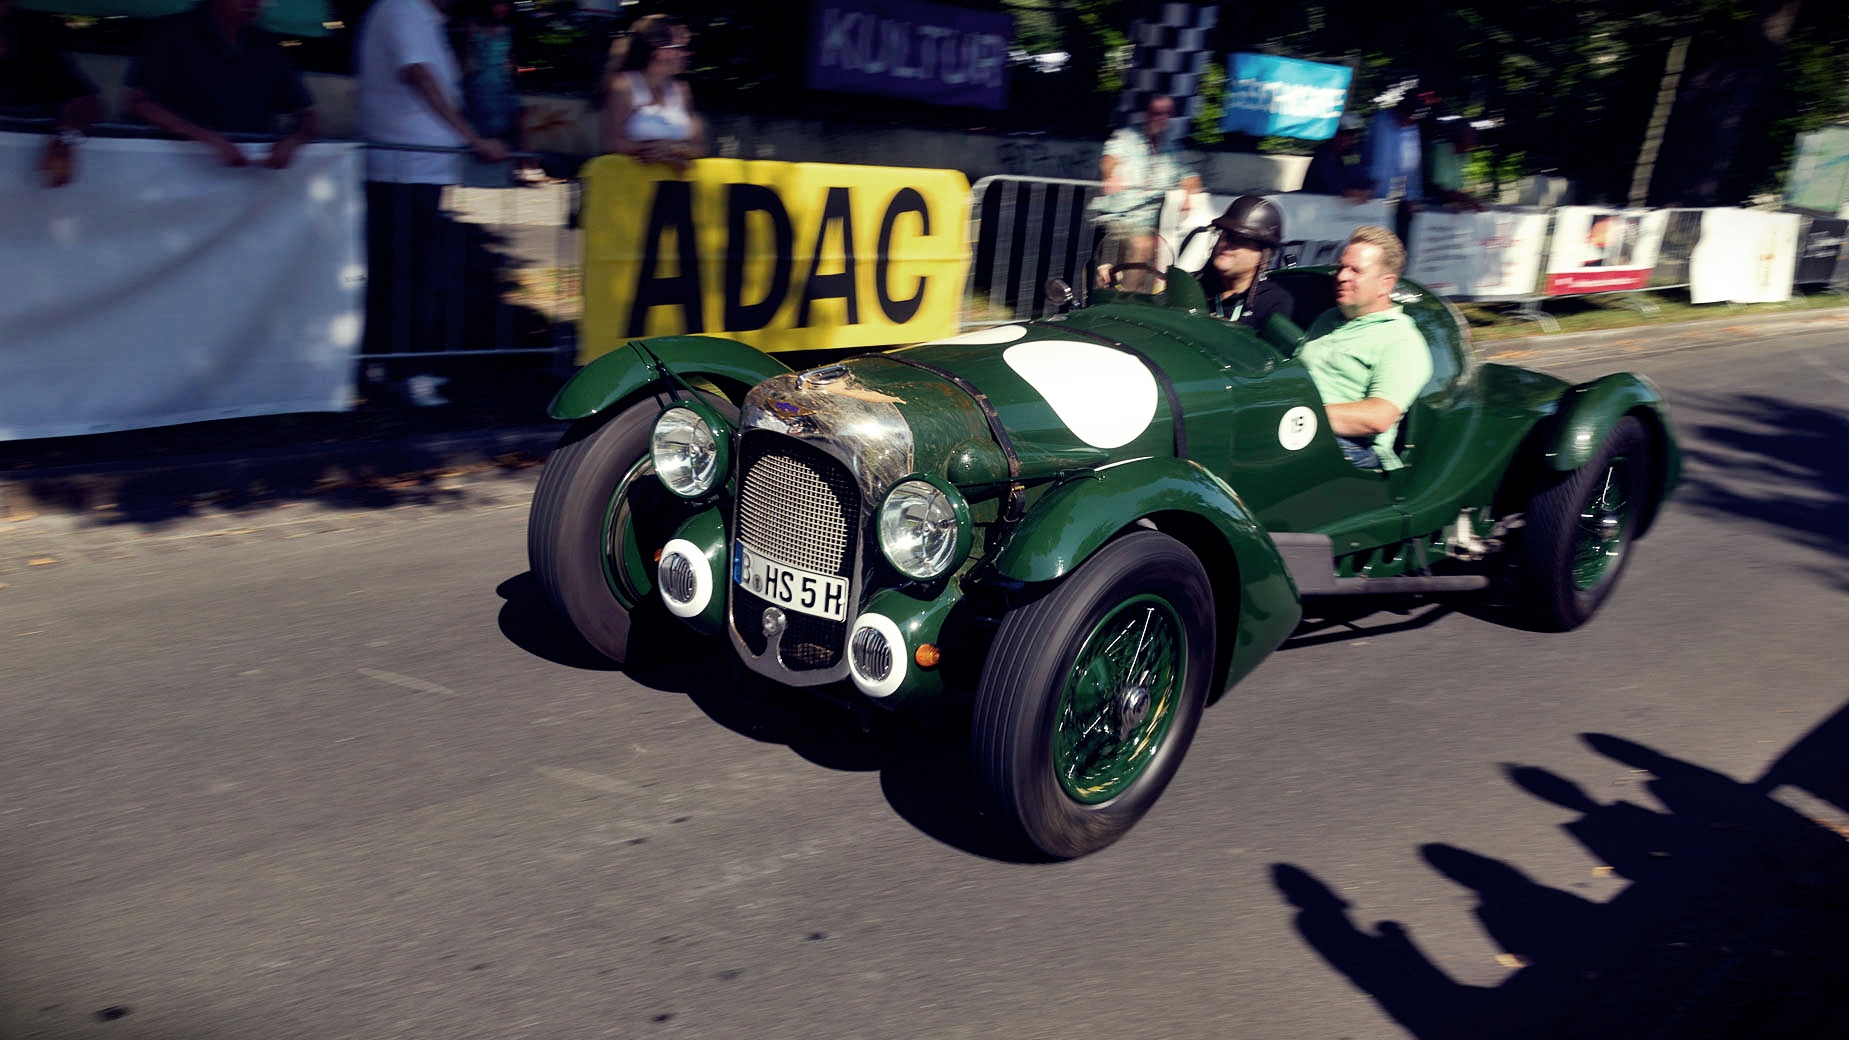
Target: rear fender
{"type": "Point", "coordinates": [1586, 417]}
{"type": "Point", "coordinates": [1254, 596]}
{"type": "Point", "coordinates": [626, 371]}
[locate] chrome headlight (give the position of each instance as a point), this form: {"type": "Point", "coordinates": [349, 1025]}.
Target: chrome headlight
{"type": "Point", "coordinates": [689, 455]}
{"type": "Point", "coordinates": [924, 528]}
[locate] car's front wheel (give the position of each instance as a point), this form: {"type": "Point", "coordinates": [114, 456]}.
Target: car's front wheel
{"type": "Point", "coordinates": [598, 516]}
{"type": "Point", "coordinates": [1091, 695]}
{"type": "Point", "coordinates": [1579, 530]}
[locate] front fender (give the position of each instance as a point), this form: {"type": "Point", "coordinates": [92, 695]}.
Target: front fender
{"type": "Point", "coordinates": [1589, 411]}
{"type": "Point", "coordinates": [625, 371]}
{"type": "Point", "coordinates": [1258, 600]}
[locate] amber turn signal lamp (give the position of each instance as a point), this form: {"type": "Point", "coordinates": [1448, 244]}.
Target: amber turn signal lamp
{"type": "Point", "coordinates": [927, 655]}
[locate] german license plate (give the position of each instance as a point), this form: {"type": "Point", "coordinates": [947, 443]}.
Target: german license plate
{"type": "Point", "coordinates": [793, 588]}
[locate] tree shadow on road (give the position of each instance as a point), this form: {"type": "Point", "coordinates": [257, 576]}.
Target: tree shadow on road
{"type": "Point", "coordinates": [1774, 462]}
{"type": "Point", "coordinates": [1731, 924]}
{"type": "Point", "coordinates": [925, 770]}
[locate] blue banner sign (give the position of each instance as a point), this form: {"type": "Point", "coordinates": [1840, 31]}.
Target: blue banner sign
{"type": "Point", "coordinates": [1284, 96]}
{"type": "Point", "coordinates": [939, 55]}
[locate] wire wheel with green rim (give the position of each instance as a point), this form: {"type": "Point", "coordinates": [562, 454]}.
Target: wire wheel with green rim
{"type": "Point", "coordinates": [598, 516]}
{"type": "Point", "coordinates": [1091, 695]}
{"type": "Point", "coordinates": [1119, 699]}
{"type": "Point", "coordinates": [1579, 530]}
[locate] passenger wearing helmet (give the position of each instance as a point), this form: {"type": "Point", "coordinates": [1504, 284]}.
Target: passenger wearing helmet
{"type": "Point", "coordinates": [1251, 230]}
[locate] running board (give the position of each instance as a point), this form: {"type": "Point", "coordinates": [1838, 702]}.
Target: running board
{"type": "Point", "coordinates": [1310, 558]}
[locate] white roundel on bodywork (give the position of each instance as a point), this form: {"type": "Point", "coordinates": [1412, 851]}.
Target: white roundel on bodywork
{"type": "Point", "coordinates": [1104, 396]}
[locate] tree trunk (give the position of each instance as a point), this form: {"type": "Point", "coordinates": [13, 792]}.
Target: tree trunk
{"type": "Point", "coordinates": [1719, 93]}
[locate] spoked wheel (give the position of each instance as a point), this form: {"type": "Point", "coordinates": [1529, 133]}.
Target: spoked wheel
{"type": "Point", "coordinates": [1579, 530]}
{"type": "Point", "coordinates": [1092, 694]}
{"type": "Point", "coordinates": [598, 516]}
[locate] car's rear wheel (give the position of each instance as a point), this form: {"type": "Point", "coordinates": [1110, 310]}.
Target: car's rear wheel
{"type": "Point", "coordinates": [1091, 695]}
{"type": "Point", "coordinates": [597, 518]}
{"type": "Point", "coordinates": [1579, 530]}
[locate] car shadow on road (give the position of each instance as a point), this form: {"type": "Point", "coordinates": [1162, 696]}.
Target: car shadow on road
{"type": "Point", "coordinates": [1730, 925]}
{"type": "Point", "coordinates": [1339, 619]}
{"type": "Point", "coordinates": [1738, 444]}
{"type": "Point", "coordinates": [925, 771]}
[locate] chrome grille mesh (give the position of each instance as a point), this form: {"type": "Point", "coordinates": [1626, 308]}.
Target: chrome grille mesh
{"type": "Point", "coordinates": [789, 511]}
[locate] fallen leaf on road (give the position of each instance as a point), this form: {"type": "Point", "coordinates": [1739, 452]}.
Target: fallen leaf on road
{"type": "Point", "coordinates": [1511, 960]}
{"type": "Point", "coordinates": [1602, 872]}
{"type": "Point", "coordinates": [40, 561]}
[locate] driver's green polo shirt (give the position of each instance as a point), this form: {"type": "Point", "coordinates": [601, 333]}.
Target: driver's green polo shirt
{"type": "Point", "coordinates": [1381, 354]}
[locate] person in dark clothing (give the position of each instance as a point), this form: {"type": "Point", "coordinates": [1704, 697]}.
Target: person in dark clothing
{"type": "Point", "coordinates": [209, 71]}
{"type": "Point", "coordinates": [37, 82]}
{"type": "Point", "coordinates": [1251, 230]}
{"type": "Point", "coordinates": [1337, 167]}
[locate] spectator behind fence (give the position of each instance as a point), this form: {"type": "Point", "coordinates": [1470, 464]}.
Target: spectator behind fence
{"type": "Point", "coordinates": [1337, 167]}
{"type": "Point", "coordinates": [209, 71]}
{"type": "Point", "coordinates": [37, 82]}
{"type": "Point", "coordinates": [1448, 142]}
{"type": "Point", "coordinates": [647, 107]}
{"type": "Point", "coordinates": [491, 104]}
{"type": "Point", "coordinates": [1139, 167]}
{"type": "Point", "coordinates": [409, 94]}
{"type": "Point", "coordinates": [1395, 164]}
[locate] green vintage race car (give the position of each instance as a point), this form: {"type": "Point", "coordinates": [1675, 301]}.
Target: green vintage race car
{"type": "Point", "coordinates": [1082, 527]}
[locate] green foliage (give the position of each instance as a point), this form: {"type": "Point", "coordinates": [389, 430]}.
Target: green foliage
{"type": "Point", "coordinates": [1206, 129]}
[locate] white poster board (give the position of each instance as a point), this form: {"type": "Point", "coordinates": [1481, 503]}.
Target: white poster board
{"type": "Point", "coordinates": [1743, 256]}
{"type": "Point", "coordinates": [162, 287]}
{"type": "Point", "coordinates": [1317, 226]}
{"type": "Point", "coordinates": [1495, 254]}
{"type": "Point", "coordinates": [1595, 250]}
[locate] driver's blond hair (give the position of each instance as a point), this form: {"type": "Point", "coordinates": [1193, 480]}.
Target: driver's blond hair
{"type": "Point", "coordinates": [1392, 250]}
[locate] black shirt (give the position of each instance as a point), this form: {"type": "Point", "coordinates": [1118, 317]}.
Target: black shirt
{"type": "Point", "coordinates": [34, 79]}
{"type": "Point", "coordinates": [1269, 298]}
{"type": "Point", "coordinates": [190, 70]}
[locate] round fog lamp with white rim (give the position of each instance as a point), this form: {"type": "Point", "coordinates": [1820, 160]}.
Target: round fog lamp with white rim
{"type": "Point", "coordinates": [689, 455]}
{"type": "Point", "coordinates": [876, 655]}
{"type": "Point", "coordinates": [685, 578]}
{"type": "Point", "coordinates": [924, 528]}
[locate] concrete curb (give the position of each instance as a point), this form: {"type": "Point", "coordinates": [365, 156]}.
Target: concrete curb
{"type": "Point", "coordinates": [1643, 340]}
{"type": "Point", "coordinates": [373, 470]}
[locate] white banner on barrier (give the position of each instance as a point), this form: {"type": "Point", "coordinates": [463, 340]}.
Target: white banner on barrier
{"type": "Point", "coordinates": [1743, 256]}
{"type": "Point", "coordinates": [1477, 255]}
{"type": "Point", "coordinates": [1602, 250]}
{"type": "Point", "coordinates": [162, 287]}
{"type": "Point", "coordinates": [1319, 225]}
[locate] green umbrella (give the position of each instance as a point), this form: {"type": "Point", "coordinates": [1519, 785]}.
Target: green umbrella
{"type": "Point", "coordinates": [288, 17]}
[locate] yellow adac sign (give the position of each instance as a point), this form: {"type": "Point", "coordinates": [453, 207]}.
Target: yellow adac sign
{"type": "Point", "coordinates": [783, 256]}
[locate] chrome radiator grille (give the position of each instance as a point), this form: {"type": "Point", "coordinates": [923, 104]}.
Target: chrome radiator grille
{"type": "Point", "coordinates": [790, 511]}
{"type": "Point", "coordinates": [799, 506]}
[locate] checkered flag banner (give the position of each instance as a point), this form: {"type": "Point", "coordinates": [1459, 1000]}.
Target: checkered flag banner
{"type": "Point", "coordinates": [1168, 56]}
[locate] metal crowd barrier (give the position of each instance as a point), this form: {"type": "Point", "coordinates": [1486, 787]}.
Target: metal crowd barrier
{"type": "Point", "coordinates": [502, 278]}
{"type": "Point", "coordinates": [496, 273]}
{"type": "Point", "coordinates": [1023, 231]}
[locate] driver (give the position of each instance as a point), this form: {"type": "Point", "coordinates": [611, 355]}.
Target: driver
{"type": "Point", "coordinates": [1251, 230]}
{"type": "Point", "coordinates": [1367, 358]}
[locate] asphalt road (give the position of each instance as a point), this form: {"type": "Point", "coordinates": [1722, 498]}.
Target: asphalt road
{"type": "Point", "coordinates": [319, 773]}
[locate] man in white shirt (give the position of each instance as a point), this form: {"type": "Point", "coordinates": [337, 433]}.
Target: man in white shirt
{"type": "Point", "coordinates": [410, 94]}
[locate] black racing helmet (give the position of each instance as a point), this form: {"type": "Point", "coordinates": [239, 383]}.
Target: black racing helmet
{"type": "Point", "coordinates": [1253, 217]}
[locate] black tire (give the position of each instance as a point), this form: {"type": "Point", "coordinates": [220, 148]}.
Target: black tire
{"type": "Point", "coordinates": [1579, 530]}
{"type": "Point", "coordinates": [1022, 704]}
{"type": "Point", "coordinates": [597, 516]}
